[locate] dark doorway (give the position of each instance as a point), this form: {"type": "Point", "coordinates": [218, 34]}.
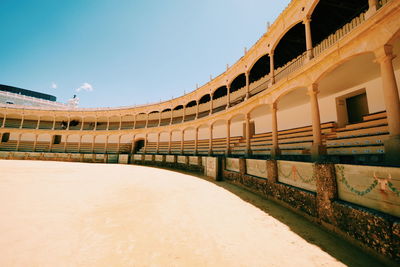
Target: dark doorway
{"type": "Point", "coordinates": [139, 144]}
{"type": "Point", "coordinates": [5, 137]}
{"type": "Point", "coordinates": [357, 107]}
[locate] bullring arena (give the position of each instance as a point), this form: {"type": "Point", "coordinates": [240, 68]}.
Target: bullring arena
{"type": "Point", "coordinates": [304, 129]}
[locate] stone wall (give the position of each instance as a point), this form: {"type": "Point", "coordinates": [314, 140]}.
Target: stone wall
{"type": "Point", "coordinates": [323, 202]}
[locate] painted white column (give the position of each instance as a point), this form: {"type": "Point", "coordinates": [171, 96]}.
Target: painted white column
{"type": "Point", "coordinates": [108, 124]}
{"type": "Point", "coordinates": [307, 24]}
{"type": "Point", "coordinates": [69, 122]}
{"type": "Point", "coordinates": [172, 116]}
{"type": "Point", "coordinates": [54, 123]}
{"type": "Point", "coordinates": [95, 123]}
{"type": "Point", "coordinates": [159, 120]}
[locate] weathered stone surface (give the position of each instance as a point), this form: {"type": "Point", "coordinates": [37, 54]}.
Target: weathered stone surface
{"type": "Point", "coordinates": [326, 191]}
{"type": "Point", "coordinates": [371, 228]}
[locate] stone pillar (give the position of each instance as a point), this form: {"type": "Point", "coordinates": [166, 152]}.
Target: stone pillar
{"type": "Point", "coordinates": [307, 24]}
{"type": "Point", "coordinates": [106, 144]}
{"type": "Point", "coordinates": [247, 84]}
{"type": "Point", "coordinates": [317, 149]}
{"type": "Point", "coordinates": [38, 124]}
{"type": "Point", "coordinates": [54, 123]}
{"type": "Point", "coordinates": [133, 144]}
{"type": "Point", "coordinates": [4, 120]}
{"type": "Point", "coordinates": [392, 103]}
{"type": "Point", "coordinates": [211, 103]}
{"type": "Point", "coordinates": [228, 138]}
{"type": "Point", "coordinates": [35, 143]}
{"type": "Point", "coordinates": [172, 116]}
{"type": "Point", "coordinates": [18, 141]}
{"type": "Point", "coordinates": [95, 124]}
{"type": "Point", "coordinates": [79, 144]}
{"type": "Point", "coordinates": [210, 143]}
{"type": "Point", "coordinates": [248, 136]}
{"type": "Point", "coordinates": [159, 120]}
{"type": "Point", "coordinates": [228, 96]}
{"type": "Point", "coordinates": [120, 122]}
{"type": "Point", "coordinates": [169, 142]}
{"type": "Point", "coordinates": [119, 144]}
{"type": "Point", "coordinates": [83, 121]}
{"type": "Point", "coordinates": [275, 151]}
{"type": "Point", "coordinates": [272, 170]}
{"type": "Point", "coordinates": [272, 67]}
{"type": "Point", "coordinates": [158, 143]}
{"type": "Point", "coordinates": [196, 139]}
{"type": "Point", "coordinates": [373, 7]}
{"type": "Point", "coordinates": [182, 142]}
{"type": "Point", "coordinates": [93, 142]}
{"type": "Point", "coordinates": [108, 123]}
{"type": "Point", "coordinates": [327, 191]}
{"type": "Point", "coordinates": [22, 121]}
{"type": "Point", "coordinates": [184, 114]}
{"type": "Point", "coordinates": [197, 110]}
{"type": "Point", "coordinates": [134, 122]}
{"type": "Point", "coordinates": [145, 144]}
{"type": "Point", "coordinates": [242, 166]}
{"type": "Point", "coordinates": [65, 143]}
{"type": "Point", "coordinates": [69, 122]}
{"type": "Point", "coordinates": [147, 120]}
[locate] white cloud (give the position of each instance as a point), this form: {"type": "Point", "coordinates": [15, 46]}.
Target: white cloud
{"type": "Point", "coordinates": [54, 85]}
{"type": "Point", "coordinates": [85, 87]}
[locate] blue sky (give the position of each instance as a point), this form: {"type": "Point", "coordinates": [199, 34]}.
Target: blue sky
{"type": "Point", "coordinates": [125, 52]}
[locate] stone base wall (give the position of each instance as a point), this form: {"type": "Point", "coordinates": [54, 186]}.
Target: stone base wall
{"type": "Point", "coordinates": [172, 164]}
{"type": "Point", "coordinates": [375, 231]}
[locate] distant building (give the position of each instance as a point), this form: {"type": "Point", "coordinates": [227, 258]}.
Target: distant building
{"type": "Point", "coordinates": [10, 95]}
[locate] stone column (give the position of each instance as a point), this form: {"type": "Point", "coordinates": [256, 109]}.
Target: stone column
{"type": "Point", "coordinates": [35, 143]}
{"type": "Point", "coordinates": [51, 143]}
{"type": "Point", "coordinates": [317, 149]}
{"type": "Point", "coordinates": [210, 142]}
{"type": "Point", "coordinates": [18, 141]}
{"type": "Point", "coordinates": [147, 120]}
{"type": "Point", "coordinates": [93, 142]}
{"type": "Point", "coordinates": [108, 123]}
{"type": "Point", "coordinates": [228, 96]}
{"type": "Point", "coordinates": [197, 110]}
{"type": "Point", "coordinates": [211, 103]}
{"type": "Point", "coordinates": [158, 143]}
{"type": "Point", "coordinates": [272, 67]}
{"type": "Point", "coordinates": [65, 143]}
{"type": "Point", "coordinates": [120, 122]}
{"type": "Point", "coordinates": [159, 120]}
{"type": "Point", "coordinates": [119, 144]}
{"type": "Point", "coordinates": [83, 121]}
{"type": "Point", "coordinates": [247, 84]}
{"type": "Point", "coordinates": [79, 144]}
{"type": "Point", "coordinates": [248, 144]}
{"type": "Point", "coordinates": [22, 121]}
{"type": "Point", "coordinates": [169, 142]}
{"type": "Point", "coordinates": [196, 139]}
{"type": "Point", "coordinates": [275, 151]}
{"type": "Point", "coordinates": [145, 144]}
{"type": "Point", "coordinates": [272, 171]}
{"type": "Point", "coordinates": [54, 123]}
{"type": "Point", "coordinates": [134, 121]}
{"type": "Point", "coordinates": [133, 144]}
{"type": "Point", "coordinates": [307, 24]}
{"type": "Point", "coordinates": [182, 142]}
{"type": "Point", "coordinates": [38, 124]}
{"type": "Point", "coordinates": [184, 114]}
{"type": "Point", "coordinates": [95, 124]}
{"type": "Point", "coordinates": [69, 122]}
{"type": "Point", "coordinates": [4, 120]}
{"type": "Point", "coordinates": [228, 138]}
{"type": "Point", "coordinates": [392, 103]}
{"type": "Point", "coordinates": [106, 144]}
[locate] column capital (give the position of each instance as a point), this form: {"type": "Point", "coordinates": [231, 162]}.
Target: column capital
{"type": "Point", "coordinates": [312, 89]}
{"type": "Point", "coordinates": [274, 106]}
{"type": "Point", "coordinates": [307, 19]}
{"type": "Point", "coordinates": [384, 53]}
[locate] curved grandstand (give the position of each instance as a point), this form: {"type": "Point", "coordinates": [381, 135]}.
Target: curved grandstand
{"type": "Point", "coordinates": [320, 84]}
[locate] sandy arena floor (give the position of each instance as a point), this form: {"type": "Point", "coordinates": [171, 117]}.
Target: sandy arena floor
{"type": "Point", "coordinates": [77, 214]}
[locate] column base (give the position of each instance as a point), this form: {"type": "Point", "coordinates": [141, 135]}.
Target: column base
{"type": "Point", "coordinates": [318, 152]}
{"type": "Point", "coordinates": [392, 150]}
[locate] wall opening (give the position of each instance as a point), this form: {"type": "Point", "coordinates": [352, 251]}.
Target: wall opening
{"type": "Point", "coordinates": [5, 137]}
{"type": "Point", "coordinates": [352, 107]}
{"type": "Point", "coordinates": [56, 139]}
{"type": "Point", "coordinates": [139, 144]}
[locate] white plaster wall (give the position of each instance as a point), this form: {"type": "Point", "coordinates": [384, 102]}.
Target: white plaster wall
{"type": "Point", "coordinates": [294, 117]}
{"type": "Point", "coordinates": [45, 138]}
{"type": "Point", "coordinates": [28, 137]}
